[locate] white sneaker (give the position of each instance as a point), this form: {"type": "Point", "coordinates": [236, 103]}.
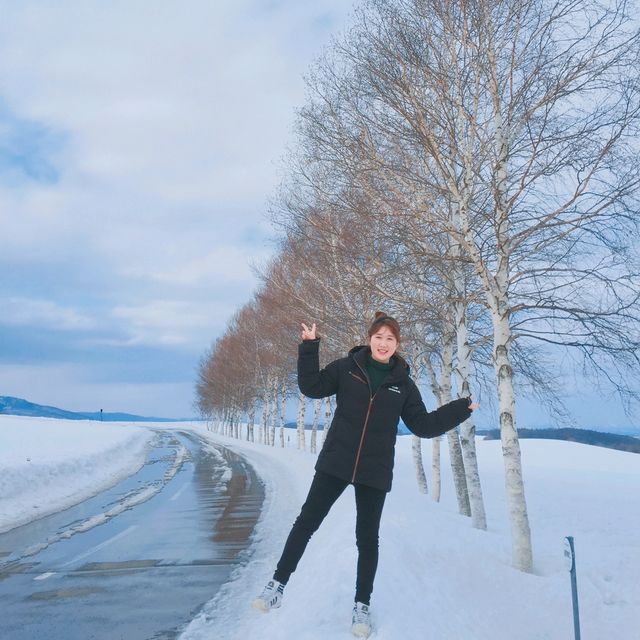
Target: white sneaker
{"type": "Point", "coordinates": [271, 597]}
{"type": "Point", "coordinates": [360, 620]}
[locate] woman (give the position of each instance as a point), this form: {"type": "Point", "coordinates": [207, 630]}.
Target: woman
{"type": "Point", "coordinates": [373, 390]}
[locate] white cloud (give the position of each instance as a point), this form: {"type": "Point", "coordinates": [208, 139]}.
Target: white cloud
{"type": "Point", "coordinates": [172, 120]}
{"type": "Point", "coordinates": [175, 119]}
{"type": "Point", "coordinates": [43, 314]}
{"type": "Point", "coordinates": [181, 104]}
{"type": "Point", "coordinates": [223, 264]}
{"type": "Point", "coordinates": [170, 322]}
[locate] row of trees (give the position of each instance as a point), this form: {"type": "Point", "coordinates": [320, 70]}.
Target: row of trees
{"type": "Point", "coordinates": [472, 168]}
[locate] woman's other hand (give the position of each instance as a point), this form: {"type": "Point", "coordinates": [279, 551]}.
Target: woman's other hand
{"type": "Point", "coordinates": [473, 406]}
{"type": "Point", "coordinates": [308, 334]}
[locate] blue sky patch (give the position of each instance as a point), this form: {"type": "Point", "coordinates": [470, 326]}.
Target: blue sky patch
{"type": "Point", "coordinates": [28, 149]}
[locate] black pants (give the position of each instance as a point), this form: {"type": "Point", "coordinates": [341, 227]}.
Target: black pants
{"type": "Point", "coordinates": [324, 491]}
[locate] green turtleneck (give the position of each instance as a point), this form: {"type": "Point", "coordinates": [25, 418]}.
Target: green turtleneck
{"type": "Point", "coordinates": [377, 371]}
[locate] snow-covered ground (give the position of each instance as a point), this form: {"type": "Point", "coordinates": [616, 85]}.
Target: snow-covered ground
{"type": "Point", "coordinates": [47, 465]}
{"type": "Point", "coordinates": [437, 578]}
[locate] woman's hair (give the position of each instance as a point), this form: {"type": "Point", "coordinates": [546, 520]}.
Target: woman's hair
{"type": "Point", "coordinates": [383, 320]}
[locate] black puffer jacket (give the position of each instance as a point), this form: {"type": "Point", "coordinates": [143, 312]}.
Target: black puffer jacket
{"type": "Point", "coordinates": [360, 444]}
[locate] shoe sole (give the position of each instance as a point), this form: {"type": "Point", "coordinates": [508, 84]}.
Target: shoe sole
{"type": "Point", "coordinates": [261, 605]}
{"type": "Point", "coordinates": [361, 630]}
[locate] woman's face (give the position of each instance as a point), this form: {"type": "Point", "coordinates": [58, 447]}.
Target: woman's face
{"type": "Point", "coordinates": [383, 344]}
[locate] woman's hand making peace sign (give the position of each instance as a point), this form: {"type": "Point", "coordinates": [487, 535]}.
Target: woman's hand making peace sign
{"type": "Point", "coordinates": [308, 334]}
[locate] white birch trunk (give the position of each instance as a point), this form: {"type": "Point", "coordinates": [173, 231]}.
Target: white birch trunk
{"type": "Point", "coordinates": [467, 428]}
{"type": "Point", "coordinates": [251, 419]}
{"type": "Point", "coordinates": [497, 287]}
{"type": "Point", "coordinates": [459, 214]}
{"type": "Point", "coordinates": [327, 417]}
{"type": "Point", "coordinates": [317, 406]}
{"type": "Point", "coordinates": [416, 442]}
{"type": "Point", "coordinates": [302, 405]}
{"type": "Point", "coordinates": [436, 478]}
{"type": "Point", "coordinates": [273, 417]}
{"type": "Point", "coordinates": [459, 476]}
{"type": "Point", "coordinates": [283, 404]}
{"type": "Point", "coordinates": [264, 419]}
{"type": "Point", "coordinates": [416, 448]}
{"type": "Point", "coordinates": [455, 450]}
{"type": "Point", "coordinates": [522, 554]}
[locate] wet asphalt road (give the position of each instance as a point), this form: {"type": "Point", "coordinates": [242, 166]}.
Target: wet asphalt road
{"type": "Point", "coordinates": [139, 560]}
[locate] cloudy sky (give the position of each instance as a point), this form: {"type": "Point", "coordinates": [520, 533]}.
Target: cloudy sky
{"type": "Point", "coordinates": [139, 144]}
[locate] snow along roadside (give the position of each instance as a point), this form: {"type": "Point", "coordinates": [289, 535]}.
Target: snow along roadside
{"type": "Point", "coordinates": [286, 485]}
{"type": "Point", "coordinates": [49, 465]}
{"type": "Point", "coordinates": [438, 577]}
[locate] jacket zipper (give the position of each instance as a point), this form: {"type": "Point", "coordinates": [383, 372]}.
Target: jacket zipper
{"type": "Point", "coordinates": [361, 380]}
{"type": "Point", "coordinates": [366, 422]}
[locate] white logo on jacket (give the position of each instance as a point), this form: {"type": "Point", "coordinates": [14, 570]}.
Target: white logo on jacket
{"type": "Point", "coordinates": [394, 388]}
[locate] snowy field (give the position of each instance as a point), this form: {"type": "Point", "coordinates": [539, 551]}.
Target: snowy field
{"type": "Point", "coordinates": [438, 578]}
{"type": "Point", "coordinates": [47, 465]}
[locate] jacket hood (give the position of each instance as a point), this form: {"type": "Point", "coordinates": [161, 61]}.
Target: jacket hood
{"type": "Point", "coordinates": [400, 369]}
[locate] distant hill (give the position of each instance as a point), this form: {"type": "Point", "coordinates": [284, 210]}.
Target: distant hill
{"type": "Point", "coordinates": [584, 436]}
{"type": "Point", "coordinates": [19, 407]}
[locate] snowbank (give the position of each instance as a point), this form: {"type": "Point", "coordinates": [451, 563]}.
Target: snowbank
{"type": "Point", "coordinates": [48, 464]}
{"type": "Point", "coordinates": [438, 577]}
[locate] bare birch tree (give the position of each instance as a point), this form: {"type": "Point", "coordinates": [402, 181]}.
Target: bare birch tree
{"type": "Point", "coordinates": [528, 116]}
{"type": "Point", "coordinates": [520, 118]}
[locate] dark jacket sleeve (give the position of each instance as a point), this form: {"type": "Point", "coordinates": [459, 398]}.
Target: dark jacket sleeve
{"type": "Point", "coordinates": [432, 424]}
{"type": "Point", "coordinates": [312, 381]}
